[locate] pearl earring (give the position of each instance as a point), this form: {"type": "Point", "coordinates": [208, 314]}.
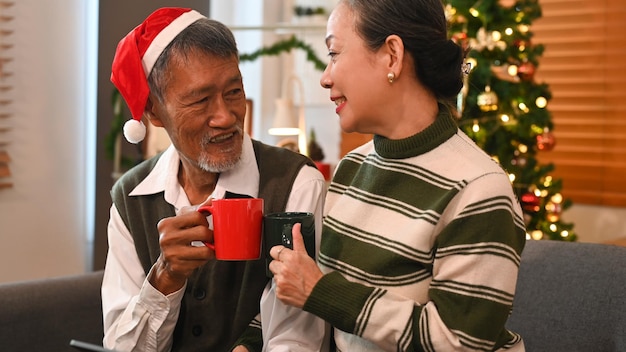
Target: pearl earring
{"type": "Point", "coordinates": [391, 76]}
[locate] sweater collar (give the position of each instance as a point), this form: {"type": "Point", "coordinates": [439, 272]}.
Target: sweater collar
{"type": "Point", "coordinates": [438, 132]}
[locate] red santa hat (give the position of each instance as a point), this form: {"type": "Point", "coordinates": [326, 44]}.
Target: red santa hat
{"type": "Point", "coordinates": [135, 56]}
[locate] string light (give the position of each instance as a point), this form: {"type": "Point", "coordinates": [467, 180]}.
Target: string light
{"type": "Point", "coordinates": [547, 181]}
{"type": "Point", "coordinates": [541, 102]}
{"type": "Point", "coordinates": [475, 10]}
{"type": "Point", "coordinates": [523, 107]}
{"type": "Point", "coordinates": [475, 127]}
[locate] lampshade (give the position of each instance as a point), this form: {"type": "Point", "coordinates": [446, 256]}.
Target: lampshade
{"type": "Point", "coordinates": [286, 121]}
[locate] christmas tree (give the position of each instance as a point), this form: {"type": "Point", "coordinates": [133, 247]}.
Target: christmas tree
{"type": "Point", "coordinates": [502, 107]}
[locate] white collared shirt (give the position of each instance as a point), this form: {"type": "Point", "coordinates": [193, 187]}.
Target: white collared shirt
{"type": "Point", "coordinates": [137, 315]}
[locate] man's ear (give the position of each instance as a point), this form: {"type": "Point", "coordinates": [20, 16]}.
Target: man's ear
{"type": "Point", "coordinates": [150, 112]}
{"type": "Point", "coordinates": [393, 50]}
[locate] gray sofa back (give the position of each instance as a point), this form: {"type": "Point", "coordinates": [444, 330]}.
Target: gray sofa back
{"type": "Point", "coordinates": [571, 297]}
{"type": "Point", "coordinates": [44, 315]}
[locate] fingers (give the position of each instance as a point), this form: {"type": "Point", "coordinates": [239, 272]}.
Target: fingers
{"type": "Point", "coordinates": [208, 201]}
{"type": "Point", "coordinates": [205, 207]}
{"type": "Point", "coordinates": [187, 209]}
{"type": "Point", "coordinates": [276, 251]}
{"type": "Point", "coordinates": [298, 241]}
{"type": "Point", "coordinates": [182, 240]}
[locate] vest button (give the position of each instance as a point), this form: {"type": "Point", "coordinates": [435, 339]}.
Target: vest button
{"type": "Point", "coordinates": [199, 294]}
{"type": "Point", "coordinates": [196, 330]}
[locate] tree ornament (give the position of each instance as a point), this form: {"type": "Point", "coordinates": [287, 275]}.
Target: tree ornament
{"type": "Point", "coordinates": [530, 202]}
{"type": "Point", "coordinates": [526, 71]}
{"type": "Point", "coordinates": [546, 140]}
{"type": "Point", "coordinates": [487, 40]}
{"type": "Point", "coordinates": [553, 211]}
{"type": "Point", "coordinates": [487, 100]}
{"type": "Point", "coordinates": [521, 44]}
{"type": "Point", "coordinates": [519, 159]}
{"type": "Point", "coordinates": [507, 3]}
{"type": "Point", "coordinates": [505, 72]}
{"type": "Point", "coordinates": [461, 39]}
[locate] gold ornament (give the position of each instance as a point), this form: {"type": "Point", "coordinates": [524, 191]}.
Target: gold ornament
{"type": "Point", "coordinates": [487, 100]}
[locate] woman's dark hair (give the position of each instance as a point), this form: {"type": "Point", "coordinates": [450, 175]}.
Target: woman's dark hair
{"type": "Point", "coordinates": [422, 26]}
{"type": "Point", "coordinates": [206, 36]}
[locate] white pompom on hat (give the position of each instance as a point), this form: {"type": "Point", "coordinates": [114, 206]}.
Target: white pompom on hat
{"type": "Point", "coordinates": [135, 56]}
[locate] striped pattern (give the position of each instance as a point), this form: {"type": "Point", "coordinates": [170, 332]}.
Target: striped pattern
{"type": "Point", "coordinates": [438, 236]}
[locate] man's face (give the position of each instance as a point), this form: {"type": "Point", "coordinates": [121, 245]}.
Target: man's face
{"type": "Point", "coordinates": [203, 110]}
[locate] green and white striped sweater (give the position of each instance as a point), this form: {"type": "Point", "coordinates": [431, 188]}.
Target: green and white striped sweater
{"type": "Point", "coordinates": [421, 247]}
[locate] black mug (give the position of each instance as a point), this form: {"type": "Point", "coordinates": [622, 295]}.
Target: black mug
{"type": "Point", "coordinates": [277, 230]}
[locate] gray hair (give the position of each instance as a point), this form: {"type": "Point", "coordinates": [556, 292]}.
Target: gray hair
{"type": "Point", "coordinates": [204, 36]}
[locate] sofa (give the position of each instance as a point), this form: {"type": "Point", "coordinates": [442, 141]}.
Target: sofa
{"type": "Point", "coordinates": [570, 297]}
{"type": "Point", "coordinates": [45, 314]}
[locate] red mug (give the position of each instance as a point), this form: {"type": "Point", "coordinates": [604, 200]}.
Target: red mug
{"type": "Point", "coordinates": [237, 228]}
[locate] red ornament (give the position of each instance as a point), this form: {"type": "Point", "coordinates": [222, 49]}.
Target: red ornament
{"type": "Point", "coordinates": [461, 39]}
{"type": "Point", "coordinates": [530, 202]}
{"type": "Point", "coordinates": [546, 140]}
{"type": "Point", "coordinates": [526, 71]}
{"type": "Point", "coordinates": [521, 44]}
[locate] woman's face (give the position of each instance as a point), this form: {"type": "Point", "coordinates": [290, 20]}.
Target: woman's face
{"type": "Point", "coordinates": [355, 75]}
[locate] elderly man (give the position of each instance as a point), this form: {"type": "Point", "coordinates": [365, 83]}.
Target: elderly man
{"type": "Point", "coordinates": [180, 71]}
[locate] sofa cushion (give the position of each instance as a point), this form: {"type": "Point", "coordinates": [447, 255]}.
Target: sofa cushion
{"type": "Point", "coordinates": [45, 314]}
{"type": "Point", "coordinates": [571, 297]}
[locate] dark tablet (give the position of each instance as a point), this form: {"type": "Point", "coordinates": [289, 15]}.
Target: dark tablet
{"type": "Point", "coordinates": [88, 347]}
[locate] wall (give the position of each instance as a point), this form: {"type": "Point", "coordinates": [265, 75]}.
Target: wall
{"type": "Point", "coordinates": [597, 224]}
{"type": "Point", "coordinates": [44, 226]}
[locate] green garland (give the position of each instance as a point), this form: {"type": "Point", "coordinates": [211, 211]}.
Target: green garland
{"type": "Point", "coordinates": [277, 48]}
{"type": "Point", "coordinates": [286, 45]}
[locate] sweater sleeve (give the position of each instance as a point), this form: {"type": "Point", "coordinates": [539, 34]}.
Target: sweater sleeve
{"type": "Point", "coordinates": [252, 337]}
